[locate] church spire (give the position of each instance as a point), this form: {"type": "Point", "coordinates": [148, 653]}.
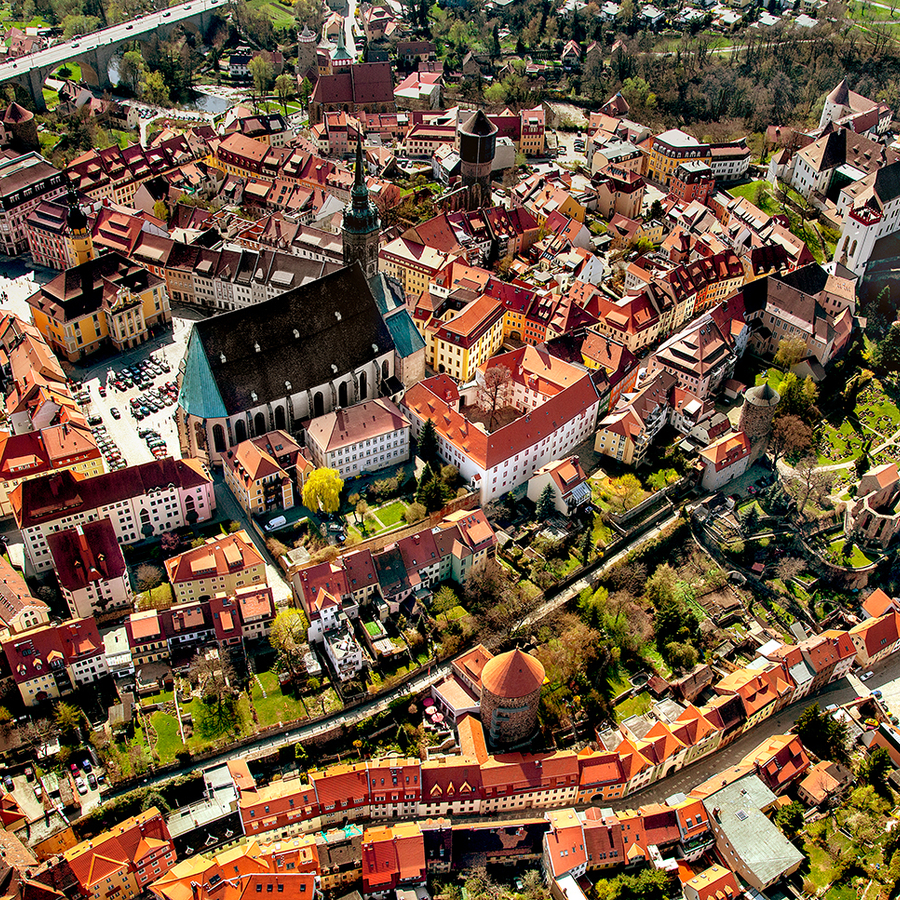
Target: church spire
{"type": "Point", "coordinates": [361, 227]}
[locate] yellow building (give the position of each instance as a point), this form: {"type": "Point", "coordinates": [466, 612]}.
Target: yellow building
{"type": "Point", "coordinates": [670, 149]}
{"type": "Point", "coordinates": [222, 564]}
{"type": "Point", "coordinates": [105, 300]}
{"type": "Point", "coordinates": [413, 265]}
{"type": "Point", "coordinates": [461, 344]}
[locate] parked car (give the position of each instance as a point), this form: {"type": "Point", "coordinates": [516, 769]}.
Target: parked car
{"type": "Point", "coordinates": [73, 767]}
{"type": "Point", "coordinates": [92, 781]}
{"type": "Point", "coordinates": [115, 413]}
{"type": "Point", "coordinates": [866, 676]}
{"type": "Point", "coordinates": [8, 783]}
{"type": "Point", "coordinates": [877, 694]}
{"type": "Point", "coordinates": [82, 787]}
{"type": "Point", "coordinates": [38, 790]}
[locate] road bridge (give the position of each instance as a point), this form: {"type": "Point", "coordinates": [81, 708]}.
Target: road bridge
{"type": "Point", "coordinates": [94, 52]}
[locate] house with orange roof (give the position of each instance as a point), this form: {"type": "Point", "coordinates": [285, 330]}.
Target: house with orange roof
{"type": "Point", "coordinates": [873, 516]}
{"type": "Point", "coordinates": [521, 781]}
{"type": "Point", "coordinates": [778, 761]}
{"type": "Point", "coordinates": [342, 792]}
{"type": "Point", "coordinates": [600, 776]}
{"type": "Point", "coordinates": [877, 604]}
{"type": "Point", "coordinates": [714, 883]}
{"type": "Point", "coordinates": [698, 734]}
{"type": "Point", "coordinates": [876, 639]}
{"type": "Point", "coordinates": [451, 786]}
{"type": "Point", "coordinates": [125, 860]}
{"type": "Point", "coordinates": [564, 845]}
{"type": "Point", "coordinates": [392, 857]}
{"type": "Point", "coordinates": [637, 769]}
{"type": "Point", "coordinates": [12, 817]}
{"type": "Point", "coordinates": [19, 611]}
{"type": "Point", "coordinates": [223, 563]}
{"type": "Point", "coordinates": [265, 473]}
{"type": "Point", "coordinates": [567, 482]}
{"type": "Point", "coordinates": [602, 838]}
{"type": "Point", "coordinates": [51, 660]}
{"type": "Point", "coordinates": [694, 828]}
{"type": "Point", "coordinates": [726, 458]}
{"type": "Point", "coordinates": [395, 787]}
{"type": "Point", "coordinates": [558, 407]}
{"type": "Point", "coordinates": [662, 748]}
{"type": "Point", "coordinates": [761, 692]}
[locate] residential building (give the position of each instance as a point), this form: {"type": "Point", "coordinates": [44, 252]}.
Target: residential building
{"type": "Point", "coordinates": [463, 343]}
{"type": "Point", "coordinates": [19, 611]}
{"type": "Point", "coordinates": [49, 661]}
{"type": "Point", "coordinates": [876, 639]}
{"type": "Point", "coordinates": [224, 563]}
{"type": "Point", "coordinates": [90, 568]}
{"type": "Point", "coordinates": [567, 482]}
{"type": "Point", "coordinates": [26, 182]}
{"type": "Point", "coordinates": [344, 653]}
{"type": "Point", "coordinates": [393, 857]}
{"type": "Point", "coordinates": [691, 181]}
{"type": "Point", "coordinates": [725, 459]}
{"type": "Point", "coordinates": [267, 473]}
{"type": "Point", "coordinates": [139, 501]}
{"type": "Point", "coordinates": [364, 438]}
{"type": "Point", "coordinates": [558, 407]}
{"type": "Point", "coordinates": [746, 839]}
{"type": "Point", "coordinates": [727, 161]}
{"type": "Point", "coordinates": [125, 860]}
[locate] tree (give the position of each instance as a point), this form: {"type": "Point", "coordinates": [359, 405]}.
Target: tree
{"type": "Point", "coordinates": [790, 819]}
{"type": "Point", "coordinates": [790, 436]}
{"type": "Point", "coordinates": [625, 492]}
{"type": "Point", "coordinates": [798, 398]}
{"type": "Point", "coordinates": [148, 577]}
{"type": "Point", "coordinates": [790, 351]}
{"type": "Point", "coordinates": [887, 353]}
{"type": "Point", "coordinates": [546, 505]}
{"type": "Point", "coordinates": [361, 510]}
{"type": "Point", "coordinates": [261, 73]}
{"type": "Point", "coordinates": [789, 567]}
{"type": "Point", "coordinates": [306, 89]}
{"type": "Point", "coordinates": [214, 674]}
{"type": "Point", "coordinates": [131, 69]}
{"type": "Point", "coordinates": [822, 734]}
{"type": "Point", "coordinates": [288, 637]}
{"type": "Point", "coordinates": [415, 512]}
{"type": "Point", "coordinates": [810, 481]}
{"type": "Point", "coordinates": [587, 546]}
{"type": "Point", "coordinates": [874, 771]}
{"type": "Point", "coordinates": [154, 89]}
{"type": "Point", "coordinates": [75, 25]}
{"type": "Point", "coordinates": [323, 490]}
{"type": "Point", "coordinates": [493, 393]}
{"type": "Point", "coordinates": [428, 445]}
{"type": "Point", "coordinates": [161, 210]}
{"type": "Point", "coordinates": [660, 586]}
{"type": "Point", "coordinates": [285, 89]}
{"type": "Point", "coordinates": [432, 494]}
{"type": "Point", "coordinates": [68, 719]}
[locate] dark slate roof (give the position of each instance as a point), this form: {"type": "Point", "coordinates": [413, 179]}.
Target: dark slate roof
{"type": "Point", "coordinates": [810, 279]}
{"type": "Point", "coordinates": [307, 336]}
{"type": "Point", "coordinates": [887, 182]}
{"type": "Point", "coordinates": [407, 338]}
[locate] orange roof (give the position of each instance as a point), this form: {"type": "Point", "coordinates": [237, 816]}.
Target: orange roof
{"type": "Point", "coordinates": [877, 603]}
{"type": "Point", "coordinates": [565, 842]}
{"type": "Point", "coordinates": [714, 883]}
{"type": "Point", "coordinates": [219, 556]}
{"type": "Point", "coordinates": [513, 674]}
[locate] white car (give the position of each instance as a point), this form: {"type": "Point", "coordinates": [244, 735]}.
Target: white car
{"type": "Point", "coordinates": [866, 676]}
{"type": "Point", "coordinates": [82, 787]}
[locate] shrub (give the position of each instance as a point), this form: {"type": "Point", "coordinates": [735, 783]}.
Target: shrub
{"type": "Point", "coordinates": [415, 512]}
{"type": "Point", "coordinates": [275, 547]}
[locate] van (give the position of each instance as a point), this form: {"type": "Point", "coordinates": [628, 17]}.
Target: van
{"type": "Point", "coordinates": [277, 522]}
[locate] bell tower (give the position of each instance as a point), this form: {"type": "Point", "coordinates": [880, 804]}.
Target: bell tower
{"type": "Point", "coordinates": [361, 228]}
{"type": "Point", "coordinates": [78, 237]}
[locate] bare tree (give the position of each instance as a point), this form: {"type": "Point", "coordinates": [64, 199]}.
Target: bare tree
{"type": "Point", "coordinates": [810, 481]}
{"type": "Point", "coordinates": [790, 435]}
{"type": "Point", "coordinates": [790, 567]}
{"type": "Point", "coordinates": [494, 393]}
{"type": "Point", "coordinates": [214, 674]}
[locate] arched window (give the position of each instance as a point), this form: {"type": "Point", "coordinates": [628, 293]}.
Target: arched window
{"type": "Point", "coordinates": [342, 394]}
{"type": "Point", "coordinates": [259, 424]}
{"type": "Point", "coordinates": [280, 417]}
{"type": "Point", "coordinates": [318, 404]}
{"type": "Point", "coordinates": [363, 385]}
{"type": "Point", "coordinates": [219, 438]}
{"type": "Point", "coordinates": [240, 431]}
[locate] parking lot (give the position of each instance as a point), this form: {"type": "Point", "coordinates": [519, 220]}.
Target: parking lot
{"type": "Point", "coordinates": [147, 375]}
{"type": "Point", "coordinates": [35, 795]}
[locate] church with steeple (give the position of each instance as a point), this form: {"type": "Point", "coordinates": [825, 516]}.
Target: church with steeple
{"type": "Point", "coordinates": [361, 227]}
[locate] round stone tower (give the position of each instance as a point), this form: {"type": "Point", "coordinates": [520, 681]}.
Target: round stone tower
{"type": "Point", "coordinates": [306, 51]}
{"type": "Point", "coordinates": [361, 227]}
{"type": "Point", "coordinates": [510, 696]}
{"type": "Point", "coordinates": [21, 125]}
{"type": "Point", "coordinates": [757, 413]}
{"type": "Point", "coordinates": [477, 144]}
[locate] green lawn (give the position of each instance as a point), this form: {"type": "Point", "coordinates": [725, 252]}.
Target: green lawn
{"type": "Point", "coordinates": [211, 726]}
{"type": "Point", "coordinates": [275, 706]}
{"type": "Point", "coordinates": [374, 628]}
{"type": "Point", "coordinates": [161, 697]}
{"type": "Point", "coordinates": [633, 706]}
{"type": "Point", "coordinates": [392, 514]}
{"type": "Point", "coordinates": [453, 614]}
{"type": "Point", "coordinates": [160, 597]}
{"type": "Point", "coordinates": [281, 16]}
{"type": "Point", "coordinates": [751, 191]}
{"type": "Point", "coordinates": [857, 560]}
{"type": "Point", "coordinates": [74, 68]}
{"type": "Point", "coordinates": [51, 98]}
{"type": "Point", "coordinates": [168, 739]}
{"type": "Point", "coordinates": [822, 866]}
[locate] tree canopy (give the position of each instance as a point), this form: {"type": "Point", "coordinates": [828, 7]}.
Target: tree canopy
{"type": "Point", "coordinates": [322, 490]}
